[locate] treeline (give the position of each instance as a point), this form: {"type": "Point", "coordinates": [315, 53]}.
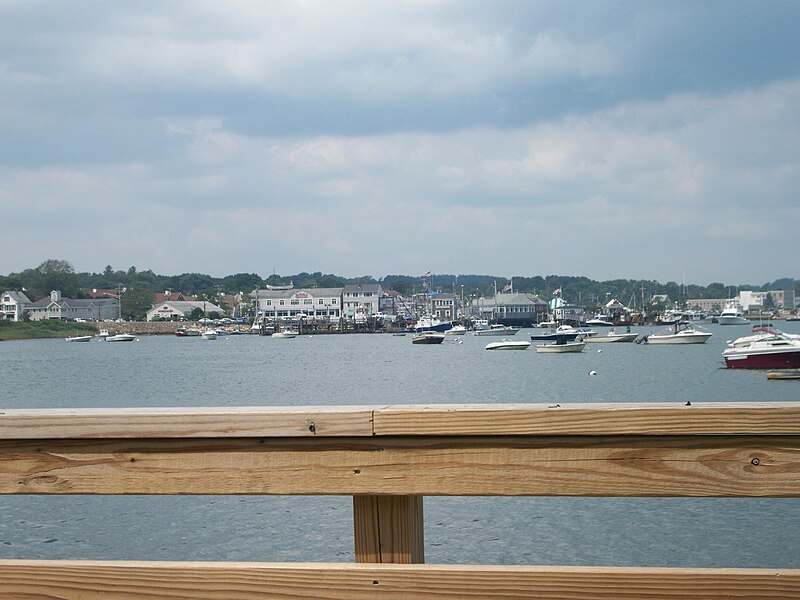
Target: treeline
{"type": "Point", "coordinates": [55, 274]}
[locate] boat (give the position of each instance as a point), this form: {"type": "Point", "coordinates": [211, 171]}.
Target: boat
{"type": "Point", "coordinates": [733, 314]}
{"type": "Point", "coordinates": [612, 336]}
{"type": "Point", "coordinates": [103, 333]}
{"type": "Point", "coordinates": [431, 323]}
{"type": "Point", "coordinates": [564, 332]}
{"type": "Point", "coordinates": [681, 333]}
{"type": "Point", "coordinates": [121, 337]}
{"type": "Point", "coordinates": [497, 329]}
{"type": "Point", "coordinates": [79, 338]}
{"type": "Point", "coordinates": [286, 334]}
{"type": "Point", "coordinates": [456, 330]}
{"type": "Point", "coordinates": [508, 345]}
{"type": "Point", "coordinates": [480, 324]}
{"type": "Point", "coordinates": [184, 332]}
{"type": "Point", "coordinates": [777, 351]}
{"type": "Point", "coordinates": [560, 347]}
{"type": "Point", "coordinates": [760, 333]}
{"type": "Point", "coordinates": [600, 321]}
{"type": "Point", "coordinates": [428, 337]}
{"type": "Point", "coordinates": [209, 334]}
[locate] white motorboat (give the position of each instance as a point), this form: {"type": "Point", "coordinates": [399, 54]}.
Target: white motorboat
{"type": "Point", "coordinates": [121, 337]}
{"type": "Point", "coordinates": [103, 333]}
{"type": "Point", "coordinates": [456, 330]}
{"type": "Point", "coordinates": [560, 347]}
{"type": "Point", "coordinates": [600, 321]}
{"type": "Point", "coordinates": [759, 334]}
{"type": "Point", "coordinates": [497, 329]}
{"type": "Point", "coordinates": [776, 351]}
{"type": "Point", "coordinates": [209, 334]}
{"type": "Point", "coordinates": [431, 323]}
{"type": "Point", "coordinates": [612, 336]}
{"type": "Point", "coordinates": [681, 333]}
{"type": "Point", "coordinates": [79, 338]}
{"type": "Point", "coordinates": [286, 334]}
{"type": "Point", "coordinates": [733, 314]}
{"type": "Point", "coordinates": [508, 345]}
{"type": "Point", "coordinates": [428, 337]}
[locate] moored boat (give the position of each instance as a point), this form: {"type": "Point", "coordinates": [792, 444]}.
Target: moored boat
{"type": "Point", "coordinates": [209, 334]}
{"type": "Point", "coordinates": [286, 334]}
{"type": "Point", "coordinates": [456, 330]}
{"type": "Point", "coordinates": [777, 351]}
{"type": "Point", "coordinates": [121, 337]}
{"type": "Point", "coordinates": [508, 345]}
{"type": "Point", "coordinates": [428, 337]}
{"type": "Point", "coordinates": [733, 314]}
{"type": "Point", "coordinates": [497, 329]}
{"type": "Point", "coordinates": [561, 347]}
{"type": "Point", "coordinates": [79, 338]}
{"type": "Point", "coordinates": [431, 323]}
{"type": "Point", "coordinates": [612, 336]}
{"type": "Point", "coordinates": [681, 333]}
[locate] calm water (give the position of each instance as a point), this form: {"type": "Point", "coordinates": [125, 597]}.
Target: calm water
{"type": "Point", "coordinates": [384, 369]}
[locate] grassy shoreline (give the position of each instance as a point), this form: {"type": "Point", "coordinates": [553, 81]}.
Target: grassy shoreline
{"type": "Point", "coordinates": [10, 330]}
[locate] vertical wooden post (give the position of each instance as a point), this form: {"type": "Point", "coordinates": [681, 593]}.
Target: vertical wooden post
{"type": "Point", "coordinates": [389, 529]}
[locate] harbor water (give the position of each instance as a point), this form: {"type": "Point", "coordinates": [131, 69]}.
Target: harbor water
{"type": "Point", "coordinates": [381, 369]}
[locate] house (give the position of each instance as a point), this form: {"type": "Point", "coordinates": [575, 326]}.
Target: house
{"type": "Point", "coordinates": [518, 309]}
{"type": "Point", "coordinates": [361, 300]}
{"type": "Point", "coordinates": [13, 305]}
{"type": "Point", "coordinates": [443, 306]}
{"type": "Point", "coordinates": [318, 303]}
{"type": "Point", "coordinates": [169, 296]}
{"type": "Point", "coordinates": [69, 309]}
{"type": "Point", "coordinates": [182, 309]}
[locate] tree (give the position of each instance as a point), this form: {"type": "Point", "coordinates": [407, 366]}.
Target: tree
{"type": "Point", "coordinates": [769, 302]}
{"type": "Point", "coordinates": [136, 302]}
{"type": "Point", "coordinates": [108, 271]}
{"type": "Point", "coordinates": [54, 274]}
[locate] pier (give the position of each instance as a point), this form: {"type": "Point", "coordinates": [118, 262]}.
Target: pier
{"type": "Point", "coordinates": [388, 458]}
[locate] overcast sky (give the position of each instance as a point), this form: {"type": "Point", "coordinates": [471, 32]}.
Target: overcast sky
{"type": "Point", "coordinates": [656, 140]}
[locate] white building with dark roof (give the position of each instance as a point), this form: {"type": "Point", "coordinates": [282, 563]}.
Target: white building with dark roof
{"type": "Point", "coordinates": [13, 305]}
{"type": "Point", "coordinates": [361, 299]}
{"type": "Point", "coordinates": [182, 309]}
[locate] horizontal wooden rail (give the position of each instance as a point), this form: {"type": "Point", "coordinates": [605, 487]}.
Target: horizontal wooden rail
{"type": "Point", "coordinates": [677, 418]}
{"type": "Point", "coordinates": [76, 580]}
{"type": "Point", "coordinates": [388, 458]}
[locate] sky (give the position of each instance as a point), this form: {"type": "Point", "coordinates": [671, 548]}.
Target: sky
{"type": "Point", "coordinates": [654, 140]}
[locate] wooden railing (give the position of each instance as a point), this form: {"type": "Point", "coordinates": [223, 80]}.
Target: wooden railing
{"type": "Point", "coordinates": [388, 459]}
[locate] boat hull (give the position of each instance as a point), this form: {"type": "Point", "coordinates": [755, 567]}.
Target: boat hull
{"type": "Point", "coordinates": [79, 338]}
{"type": "Point", "coordinates": [506, 345]}
{"type": "Point", "coordinates": [497, 331]}
{"type": "Point", "coordinates": [428, 337]}
{"type": "Point", "coordinates": [620, 337]}
{"type": "Point", "coordinates": [122, 337]}
{"type": "Point", "coordinates": [723, 320]}
{"type": "Point", "coordinates": [699, 338]}
{"type": "Point", "coordinates": [561, 348]}
{"type": "Point", "coordinates": [787, 359]}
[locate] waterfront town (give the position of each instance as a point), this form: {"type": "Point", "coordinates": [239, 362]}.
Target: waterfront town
{"type": "Point", "coordinates": [360, 306]}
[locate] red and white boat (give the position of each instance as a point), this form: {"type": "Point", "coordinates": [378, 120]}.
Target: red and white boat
{"type": "Point", "coordinates": [771, 351]}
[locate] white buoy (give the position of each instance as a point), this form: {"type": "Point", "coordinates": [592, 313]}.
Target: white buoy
{"type": "Point", "coordinates": [592, 372]}
{"type": "Point", "coordinates": [599, 349]}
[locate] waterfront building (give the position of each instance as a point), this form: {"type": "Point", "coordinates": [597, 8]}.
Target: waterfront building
{"type": "Point", "coordinates": [443, 306]}
{"type": "Point", "coordinates": [361, 300]}
{"type": "Point", "coordinates": [182, 309]}
{"type": "Point", "coordinates": [318, 303]}
{"type": "Point", "coordinates": [516, 309]}
{"type": "Point", "coordinates": [69, 309]}
{"type": "Point", "coordinates": [13, 305]}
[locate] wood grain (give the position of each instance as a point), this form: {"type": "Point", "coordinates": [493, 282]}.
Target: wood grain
{"type": "Point", "coordinates": [709, 418]}
{"type": "Point", "coordinates": [185, 422]}
{"type": "Point", "coordinates": [77, 580]}
{"type": "Point", "coordinates": [388, 529]}
{"type": "Point", "coordinates": [677, 466]}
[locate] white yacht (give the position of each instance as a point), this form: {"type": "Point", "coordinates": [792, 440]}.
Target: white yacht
{"type": "Point", "coordinates": [733, 314]}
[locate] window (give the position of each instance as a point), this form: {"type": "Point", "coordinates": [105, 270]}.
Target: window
{"type": "Point", "coordinates": [283, 302]}
{"type": "Point", "coordinates": [295, 302]}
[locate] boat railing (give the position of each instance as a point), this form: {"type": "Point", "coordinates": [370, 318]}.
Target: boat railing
{"type": "Point", "coordinates": [388, 458]}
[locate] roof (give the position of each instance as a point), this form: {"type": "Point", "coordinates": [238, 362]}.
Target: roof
{"type": "Point", "coordinates": [18, 297]}
{"type": "Point", "coordinates": [362, 287]}
{"type": "Point", "coordinates": [518, 299]}
{"type": "Point", "coordinates": [71, 302]}
{"type": "Point", "coordinates": [187, 306]}
{"type": "Point", "coordinates": [305, 292]}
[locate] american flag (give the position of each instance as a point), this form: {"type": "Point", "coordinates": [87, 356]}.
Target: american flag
{"type": "Point", "coordinates": [507, 288]}
{"type": "Point", "coordinates": [557, 291]}
{"type": "Point", "coordinates": [428, 274]}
